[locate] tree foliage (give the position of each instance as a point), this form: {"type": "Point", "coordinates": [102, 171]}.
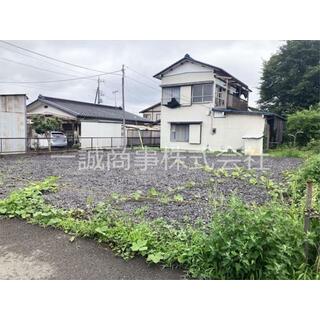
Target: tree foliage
{"type": "Point", "coordinates": [43, 124]}
{"type": "Point", "coordinates": [291, 78]}
{"type": "Point", "coordinates": [305, 125]}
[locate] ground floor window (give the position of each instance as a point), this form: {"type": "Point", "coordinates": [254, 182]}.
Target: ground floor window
{"type": "Point", "coordinates": [179, 132]}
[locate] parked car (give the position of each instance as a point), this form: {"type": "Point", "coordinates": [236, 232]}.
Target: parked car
{"type": "Point", "coordinates": [57, 139]}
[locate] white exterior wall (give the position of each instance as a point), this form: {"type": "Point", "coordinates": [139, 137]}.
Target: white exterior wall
{"type": "Point", "coordinates": [100, 129]}
{"type": "Point", "coordinates": [13, 123]}
{"type": "Point", "coordinates": [230, 128]}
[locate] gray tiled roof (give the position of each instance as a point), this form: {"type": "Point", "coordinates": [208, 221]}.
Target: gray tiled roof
{"type": "Point", "coordinates": [81, 109]}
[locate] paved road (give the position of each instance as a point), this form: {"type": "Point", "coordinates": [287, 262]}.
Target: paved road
{"type": "Point", "coordinates": [31, 252]}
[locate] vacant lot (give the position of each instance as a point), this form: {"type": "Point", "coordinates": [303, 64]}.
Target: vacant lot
{"type": "Point", "coordinates": [181, 189]}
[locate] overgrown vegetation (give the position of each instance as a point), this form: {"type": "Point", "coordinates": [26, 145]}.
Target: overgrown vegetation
{"type": "Point", "coordinates": [302, 136]}
{"type": "Point", "coordinates": [303, 127]}
{"type": "Point", "coordinates": [242, 242]}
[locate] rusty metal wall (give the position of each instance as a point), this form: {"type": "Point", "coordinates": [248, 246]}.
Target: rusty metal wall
{"type": "Point", "coordinates": [13, 123]}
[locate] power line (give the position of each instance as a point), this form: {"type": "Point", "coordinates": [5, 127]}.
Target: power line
{"type": "Point", "coordinates": [38, 68]}
{"type": "Point", "coordinates": [63, 80]}
{"type": "Point", "coordinates": [51, 58]}
{"type": "Point", "coordinates": [154, 88]}
{"type": "Point", "coordinates": [46, 62]}
{"type": "Point", "coordinates": [141, 82]}
{"type": "Point", "coordinates": [151, 80]}
{"type": "Point", "coordinates": [144, 76]}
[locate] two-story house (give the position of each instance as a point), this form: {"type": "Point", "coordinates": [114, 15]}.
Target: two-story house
{"type": "Point", "coordinates": [203, 107]}
{"type": "Point", "coordinates": [153, 112]}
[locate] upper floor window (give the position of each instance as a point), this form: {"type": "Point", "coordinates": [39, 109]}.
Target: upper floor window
{"type": "Point", "coordinates": [158, 116]}
{"type": "Point", "coordinates": [202, 93]}
{"type": "Point", "coordinates": [170, 93]}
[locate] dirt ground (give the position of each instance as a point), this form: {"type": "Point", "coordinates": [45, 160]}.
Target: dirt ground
{"type": "Point", "coordinates": [87, 178]}
{"type": "Point", "coordinates": [31, 252]}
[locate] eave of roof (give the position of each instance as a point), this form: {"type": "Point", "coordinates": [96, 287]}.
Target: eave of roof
{"type": "Point", "coordinates": [188, 58]}
{"type": "Point", "coordinates": [12, 94]}
{"type": "Point", "coordinates": [264, 113]}
{"type": "Point", "coordinates": [149, 108]}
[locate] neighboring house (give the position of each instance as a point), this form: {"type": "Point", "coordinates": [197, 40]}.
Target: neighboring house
{"type": "Point", "coordinates": [152, 113]}
{"type": "Point", "coordinates": [203, 107]}
{"type": "Point", "coordinates": [94, 124]}
{"type": "Point", "coordinates": [13, 123]}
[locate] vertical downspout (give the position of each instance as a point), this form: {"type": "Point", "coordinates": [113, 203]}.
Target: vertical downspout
{"type": "Point", "coordinates": [26, 124]}
{"type": "Point", "coordinates": [213, 106]}
{"type": "Point", "coordinates": [227, 94]}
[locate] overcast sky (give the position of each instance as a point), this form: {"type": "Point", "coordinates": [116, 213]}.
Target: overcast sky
{"type": "Point", "coordinates": [243, 59]}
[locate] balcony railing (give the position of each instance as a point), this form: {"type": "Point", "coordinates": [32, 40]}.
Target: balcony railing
{"type": "Point", "coordinates": [233, 102]}
{"type": "Point", "coordinates": [237, 103]}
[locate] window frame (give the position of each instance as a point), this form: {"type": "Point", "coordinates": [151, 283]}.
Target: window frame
{"type": "Point", "coordinates": [172, 96]}
{"type": "Point", "coordinates": [187, 134]}
{"type": "Point", "coordinates": [202, 97]}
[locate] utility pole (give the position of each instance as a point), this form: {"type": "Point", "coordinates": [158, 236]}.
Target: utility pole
{"type": "Point", "coordinates": [123, 109]}
{"type": "Point", "coordinates": [115, 97]}
{"type": "Point", "coordinates": [99, 93]}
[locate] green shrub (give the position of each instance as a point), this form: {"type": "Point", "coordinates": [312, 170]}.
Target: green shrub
{"type": "Point", "coordinates": [306, 121]}
{"type": "Point", "coordinates": [314, 146]}
{"type": "Point", "coordinates": [243, 243]}
{"type": "Point", "coordinates": [309, 171]}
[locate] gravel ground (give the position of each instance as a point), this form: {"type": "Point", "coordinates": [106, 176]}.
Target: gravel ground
{"type": "Point", "coordinates": [81, 187]}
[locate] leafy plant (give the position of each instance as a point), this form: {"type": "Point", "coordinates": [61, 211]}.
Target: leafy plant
{"type": "Point", "coordinates": [153, 192]}
{"type": "Point", "coordinates": [139, 245]}
{"type": "Point", "coordinates": [178, 198]}
{"type": "Point", "coordinates": [155, 257]}
{"type": "Point", "coordinates": [136, 195]}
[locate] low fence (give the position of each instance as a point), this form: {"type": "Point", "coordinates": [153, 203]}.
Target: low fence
{"type": "Point", "coordinates": [30, 145]}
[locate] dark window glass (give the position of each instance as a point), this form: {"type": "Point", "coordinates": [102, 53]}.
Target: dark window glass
{"type": "Point", "coordinates": [202, 93]}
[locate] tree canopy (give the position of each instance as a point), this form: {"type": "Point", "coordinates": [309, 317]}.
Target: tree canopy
{"type": "Point", "coordinates": [43, 124]}
{"type": "Point", "coordinates": [291, 78]}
